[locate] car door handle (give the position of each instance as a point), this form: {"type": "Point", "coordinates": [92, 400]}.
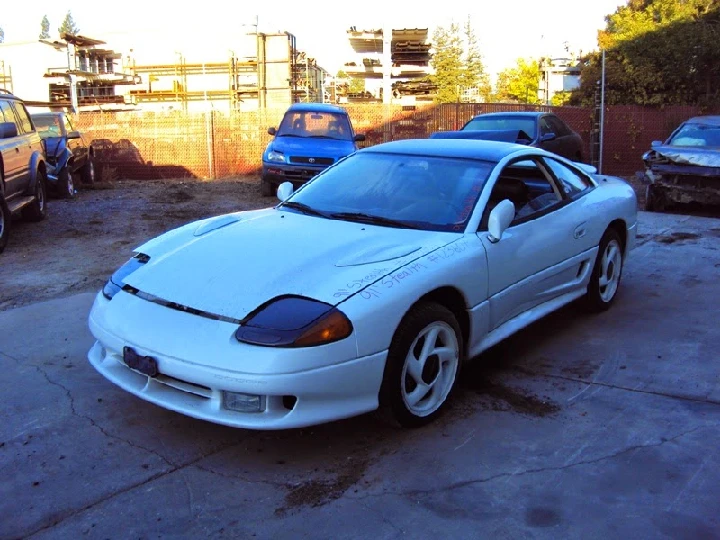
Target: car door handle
{"type": "Point", "coordinates": [580, 231]}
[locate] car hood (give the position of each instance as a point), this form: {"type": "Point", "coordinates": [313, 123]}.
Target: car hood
{"type": "Point", "coordinates": [232, 264]}
{"type": "Point", "coordinates": [688, 155]}
{"type": "Point", "coordinates": [304, 146]}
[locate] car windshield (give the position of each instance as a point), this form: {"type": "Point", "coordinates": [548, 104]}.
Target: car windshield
{"type": "Point", "coordinates": [430, 193]}
{"type": "Point", "coordinates": [697, 135]}
{"type": "Point", "coordinates": [501, 123]}
{"type": "Point", "coordinates": [321, 125]}
{"type": "Point", "coordinates": [47, 126]}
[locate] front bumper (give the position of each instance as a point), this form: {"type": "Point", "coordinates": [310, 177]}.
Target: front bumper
{"type": "Point", "coordinates": [282, 172]}
{"type": "Point", "coordinates": [342, 389]}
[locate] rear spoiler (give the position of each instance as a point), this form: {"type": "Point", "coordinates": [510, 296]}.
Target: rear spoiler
{"type": "Point", "coordinates": [517, 136]}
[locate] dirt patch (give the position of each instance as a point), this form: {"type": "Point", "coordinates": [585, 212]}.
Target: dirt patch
{"type": "Point", "coordinates": [676, 237]}
{"type": "Point", "coordinates": [317, 492]}
{"type": "Point", "coordinates": [495, 396]}
{"type": "Point", "coordinates": [84, 239]}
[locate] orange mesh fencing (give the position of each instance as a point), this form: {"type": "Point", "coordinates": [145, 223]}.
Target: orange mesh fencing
{"type": "Point", "coordinates": [176, 144]}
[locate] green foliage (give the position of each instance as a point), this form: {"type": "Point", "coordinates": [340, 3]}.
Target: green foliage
{"type": "Point", "coordinates": [448, 63]}
{"type": "Point", "coordinates": [658, 52]}
{"type": "Point", "coordinates": [474, 75]}
{"type": "Point", "coordinates": [356, 85]}
{"type": "Point", "coordinates": [561, 98]}
{"type": "Point", "coordinates": [44, 28]}
{"type": "Point", "coordinates": [519, 84]}
{"type": "Point", "coordinates": [68, 25]}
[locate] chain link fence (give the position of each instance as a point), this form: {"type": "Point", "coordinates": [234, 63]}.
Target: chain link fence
{"type": "Point", "coordinates": [177, 144]}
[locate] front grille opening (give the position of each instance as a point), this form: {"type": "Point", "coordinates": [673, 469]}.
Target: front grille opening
{"type": "Point", "coordinates": [185, 386]}
{"type": "Point", "coordinates": [289, 402]}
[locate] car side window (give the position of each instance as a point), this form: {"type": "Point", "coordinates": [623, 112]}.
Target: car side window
{"type": "Point", "coordinates": [572, 182]}
{"type": "Point", "coordinates": [545, 127]}
{"type": "Point", "coordinates": [528, 185]}
{"type": "Point", "coordinates": [7, 113]}
{"type": "Point", "coordinates": [23, 117]}
{"type": "Point", "coordinates": [558, 126]}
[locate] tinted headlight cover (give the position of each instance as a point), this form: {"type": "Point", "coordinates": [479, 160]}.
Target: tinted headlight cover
{"type": "Point", "coordinates": [294, 321]}
{"type": "Point", "coordinates": [115, 284]}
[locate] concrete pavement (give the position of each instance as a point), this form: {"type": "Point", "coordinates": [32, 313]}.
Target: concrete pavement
{"type": "Point", "coordinates": [581, 426]}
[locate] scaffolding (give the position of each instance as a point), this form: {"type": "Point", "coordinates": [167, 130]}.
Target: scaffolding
{"type": "Point", "coordinates": [275, 76]}
{"type": "Point", "coordinates": [6, 76]}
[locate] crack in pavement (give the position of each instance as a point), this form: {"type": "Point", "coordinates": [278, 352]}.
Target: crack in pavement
{"type": "Point", "coordinates": [172, 467]}
{"type": "Point", "coordinates": [397, 529]}
{"type": "Point", "coordinates": [465, 483]}
{"type": "Point", "coordinates": [94, 424]}
{"type": "Point", "coordinates": [126, 489]}
{"type": "Point", "coordinates": [614, 386]}
{"type": "Point", "coordinates": [283, 485]}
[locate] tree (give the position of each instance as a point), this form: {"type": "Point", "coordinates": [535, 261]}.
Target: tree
{"type": "Point", "coordinates": [68, 25]}
{"type": "Point", "coordinates": [657, 52]}
{"type": "Point", "coordinates": [447, 61]}
{"type": "Point", "coordinates": [44, 28]}
{"type": "Point", "coordinates": [519, 84]}
{"type": "Point", "coordinates": [474, 75]}
{"type": "Point", "coordinates": [356, 85]}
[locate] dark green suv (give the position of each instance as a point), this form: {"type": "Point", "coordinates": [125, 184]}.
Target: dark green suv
{"type": "Point", "coordinates": [23, 175]}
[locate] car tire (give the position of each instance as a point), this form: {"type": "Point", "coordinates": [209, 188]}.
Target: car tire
{"type": "Point", "coordinates": [417, 384]}
{"type": "Point", "coordinates": [37, 210]}
{"type": "Point", "coordinates": [5, 222]}
{"type": "Point", "coordinates": [88, 174]}
{"type": "Point", "coordinates": [605, 278]}
{"type": "Point", "coordinates": [65, 184]}
{"type": "Point", "coordinates": [653, 199]}
{"type": "Point", "coordinates": [266, 188]}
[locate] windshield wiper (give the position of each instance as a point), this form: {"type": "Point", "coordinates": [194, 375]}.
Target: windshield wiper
{"type": "Point", "coordinates": [289, 135]}
{"type": "Point", "coordinates": [374, 220]}
{"type": "Point", "coordinates": [304, 208]}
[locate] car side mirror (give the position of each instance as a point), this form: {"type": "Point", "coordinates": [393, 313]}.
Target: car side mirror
{"type": "Point", "coordinates": [359, 137]}
{"type": "Point", "coordinates": [73, 135]}
{"type": "Point", "coordinates": [548, 137]}
{"type": "Point", "coordinates": [500, 219]}
{"type": "Point", "coordinates": [8, 130]}
{"type": "Point", "coordinates": [655, 143]}
{"type": "Point", "coordinates": [284, 191]}
{"type": "Point", "coordinates": [271, 131]}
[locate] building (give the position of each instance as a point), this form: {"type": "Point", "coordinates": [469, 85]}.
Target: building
{"type": "Point", "coordinates": [72, 72]}
{"type": "Point", "coordinates": [401, 64]}
{"type": "Point", "coordinates": [557, 75]}
{"type": "Point", "coordinates": [268, 71]}
{"type": "Point", "coordinates": [263, 71]}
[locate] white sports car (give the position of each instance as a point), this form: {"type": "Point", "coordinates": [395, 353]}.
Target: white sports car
{"type": "Point", "coordinates": [368, 287]}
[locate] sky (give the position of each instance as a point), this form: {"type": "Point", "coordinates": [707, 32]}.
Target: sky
{"type": "Point", "coordinates": [157, 32]}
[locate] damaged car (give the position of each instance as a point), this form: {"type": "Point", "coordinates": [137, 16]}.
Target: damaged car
{"type": "Point", "coordinates": [368, 287]}
{"type": "Point", "coordinates": [67, 153]}
{"type": "Point", "coordinates": [686, 167]}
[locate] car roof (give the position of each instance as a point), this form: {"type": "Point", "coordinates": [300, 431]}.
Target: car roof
{"type": "Point", "coordinates": [5, 94]}
{"type": "Point", "coordinates": [711, 120]}
{"type": "Point", "coordinates": [519, 114]}
{"type": "Point", "coordinates": [453, 148]}
{"type": "Point", "coordinates": [317, 107]}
